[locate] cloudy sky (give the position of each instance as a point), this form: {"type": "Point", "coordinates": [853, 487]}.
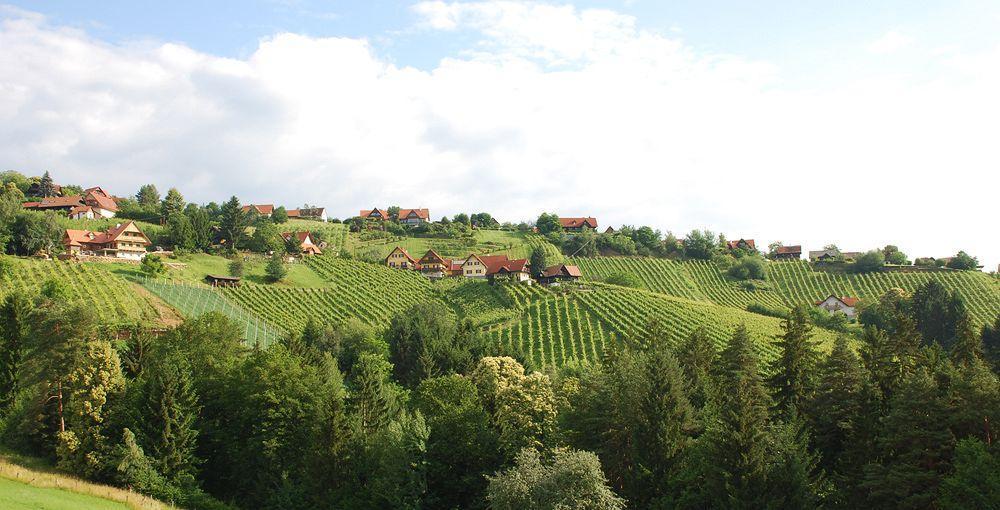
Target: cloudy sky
{"type": "Point", "coordinates": [804, 122]}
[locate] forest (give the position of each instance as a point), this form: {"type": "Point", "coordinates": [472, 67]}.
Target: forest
{"type": "Point", "coordinates": [430, 414]}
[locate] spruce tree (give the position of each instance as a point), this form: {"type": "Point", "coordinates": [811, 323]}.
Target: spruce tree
{"type": "Point", "coordinates": [793, 382]}
{"type": "Point", "coordinates": [915, 447]}
{"type": "Point", "coordinates": [371, 399]}
{"type": "Point", "coordinates": [46, 187]}
{"type": "Point", "coordinates": [14, 327]}
{"type": "Point", "coordinates": [275, 270]}
{"type": "Point", "coordinates": [233, 223]}
{"type": "Point", "coordinates": [697, 356]}
{"type": "Point", "coordinates": [738, 464]}
{"type": "Point", "coordinates": [172, 204]}
{"type": "Point", "coordinates": [836, 407]}
{"type": "Point", "coordinates": [967, 347]}
{"type": "Point", "coordinates": [171, 411]}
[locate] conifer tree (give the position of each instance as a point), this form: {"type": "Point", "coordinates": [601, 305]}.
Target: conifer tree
{"type": "Point", "coordinates": [737, 441]}
{"type": "Point", "coordinates": [697, 356]}
{"type": "Point", "coordinates": [836, 407]}
{"type": "Point", "coordinates": [46, 187]}
{"type": "Point", "coordinates": [14, 327]}
{"type": "Point", "coordinates": [372, 401]}
{"type": "Point", "coordinates": [793, 382]}
{"type": "Point", "coordinates": [233, 223]}
{"type": "Point", "coordinates": [172, 204]}
{"type": "Point", "coordinates": [967, 347]}
{"type": "Point", "coordinates": [171, 410]}
{"type": "Point", "coordinates": [915, 447]}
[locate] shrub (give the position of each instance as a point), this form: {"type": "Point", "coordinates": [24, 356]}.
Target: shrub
{"type": "Point", "coordinates": [624, 279]}
{"type": "Point", "coordinates": [748, 268]}
{"type": "Point", "coordinates": [869, 262]}
{"type": "Point", "coordinates": [152, 265]}
{"type": "Point", "coordinates": [275, 270]}
{"type": "Point", "coordinates": [236, 267]}
{"type": "Point", "coordinates": [963, 261]}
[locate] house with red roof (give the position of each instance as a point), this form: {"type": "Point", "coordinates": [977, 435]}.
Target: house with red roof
{"type": "Point", "coordinates": [578, 224]}
{"type": "Point", "coordinates": [788, 252]}
{"type": "Point", "coordinates": [414, 216]}
{"type": "Point", "coordinates": [839, 304]}
{"type": "Point", "coordinates": [306, 244]}
{"type": "Point", "coordinates": [434, 266]}
{"type": "Point", "coordinates": [93, 203]}
{"type": "Point", "coordinates": [265, 210]}
{"type": "Point", "coordinates": [308, 213]}
{"type": "Point", "coordinates": [553, 275]}
{"type": "Point", "coordinates": [124, 241]}
{"type": "Point", "coordinates": [493, 267]}
{"type": "Point", "coordinates": [742, 244]}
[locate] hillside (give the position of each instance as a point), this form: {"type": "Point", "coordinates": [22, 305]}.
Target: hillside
{"type": "Point", "coordinates": [513, 244]}
{"type": "Point", "coordinates": [789, 283]}
{"type": "Point", "coordinates": [113, 298]}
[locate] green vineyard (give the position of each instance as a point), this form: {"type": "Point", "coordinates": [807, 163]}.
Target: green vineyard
{"type": "Point", "coordinates": [788, 283]}
{"type": "Point", "coordinates": [371, 293]}
{"type": "Point", "coordinates": [111, 296]}
{"type": "Point", "coordinates": [193, 301]}
{"type": "Point", "coordinates": [796, 282]}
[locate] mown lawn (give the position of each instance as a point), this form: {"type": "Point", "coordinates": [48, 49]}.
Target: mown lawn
{"type": "Point", "coordinates": [21, 496]}
{"type": "Point", "coordinates": [197, 265]}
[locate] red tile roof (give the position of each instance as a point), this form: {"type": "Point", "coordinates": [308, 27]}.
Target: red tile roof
{"type": "Point", "coordinates": [423, 214]}
{"type": "Point", "coordinates": [578, 222]}
{"type": "Point", "coordinates": [53, 202]}
{"type": "Point", "coordinates": [98, 198]}
{"type": "Point", "coordinates": [263, 209]}
{"type": "Point", "coordinates": [789, 249]}
{"type": "Point", "coordinates": [80, 237]}
{"type": "Point", "coordinates": [736, 244]}
{"type": "Point", "coordinates": [847, 300]}
{"type": "Point", "coordinates": [403, 251]}
{"type": "Point", "coordinates": [367, 212]}
{"type": "Point", "coordinates": [562, 269]}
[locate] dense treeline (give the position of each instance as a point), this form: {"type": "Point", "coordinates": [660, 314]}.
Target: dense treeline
{"type": "Point", "coordinates": [429, 415]}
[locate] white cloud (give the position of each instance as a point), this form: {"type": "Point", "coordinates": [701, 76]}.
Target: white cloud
{"type": "Point", "coordinates": [891, 42]}
{"type": "Point", "coordinates": [553, 109]}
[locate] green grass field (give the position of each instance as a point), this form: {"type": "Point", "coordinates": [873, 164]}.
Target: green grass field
{"type": "Point", "coordinates": [21, 496]}
{"type": "Point", "coordinates": [192, 268]}
{"type": "Point", "coordinates": [513, 244]}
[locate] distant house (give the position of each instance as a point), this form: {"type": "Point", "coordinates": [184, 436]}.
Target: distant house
{"type": "Point", "coordinates": [92, 204]}
{"type": "Point", "coordinates": [559, 273]}
{"type": "Point", "coordinates": [433, 265]}
{"type": "Point", "coordinates": [35, 190]}
{"type": "Point", "coordinates": [414, 216]}
{"type": "Point", "coordinates": [823, 255]}
{"type": "Point", "coordinates": [835, 304]}
{"type": "Point", "coordinates": [788, 253]}
{"type": "Point", "coordinates": [399, 258]}
{"type": "Point", "coordinates": [609, 230]}
{"type": "Point", "coordinates": [742, 244]}
{"type": "Point", "coordinates": [308, 213]}
{"type": "Point", "coordinates": [265, 210]}
{"type": "Point", "coordinates": [578, 224]}
{"type": "Point", "coordinates": [305, 242]}
{"type": "Point", "coordinates": [375, 214]}
{"type": "Point", "coordinates": [124, 241]}
{"type": "Point", "coordinates": [495, 266]}
{"type": "Point", "coordinates": [222, 281]}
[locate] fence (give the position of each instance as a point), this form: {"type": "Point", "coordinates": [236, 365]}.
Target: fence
{"type": "Point", "coordinates": [193, 301]}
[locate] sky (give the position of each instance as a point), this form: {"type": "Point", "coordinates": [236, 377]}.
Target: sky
{"type": "Point", "coordinates": [806, 122]}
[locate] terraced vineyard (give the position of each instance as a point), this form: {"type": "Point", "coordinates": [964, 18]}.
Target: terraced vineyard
{"type": "Point", "coordinates": [193, 301]}
{"type": "Point", "coordinates": [483, 304]}
{"type": "Point", "coordinates": [513, 244]}
{"type": "Point", "coordinates": [371, 293]}
{"type": "Point", "coordinates": [796, 282]}
{"type": "Point", "coordinates": [102, 291]}
{"type": "Point", "coordinates": [555, 329]}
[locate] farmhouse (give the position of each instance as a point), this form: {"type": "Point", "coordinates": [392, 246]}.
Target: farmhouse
{"type": "Point", "coordinates": [559, 273]}
{"type": "Point", "coordinates": [609, 230]}
{"type": "Point", "coordinates": [834, 304]}
{"type": "Point", "coordinates": [399, 258]}
{"type": "Point", "coordinates": [823, 255]}
{"type": "Point", "coordinates": [788, 252]}
{"type": "Point", "coordinates": [124, 241]}
{"type": "Point", "coordinates": [414, 216]}
{"type": "Point", "coordinates": [222, 281]}
{"type": "Point", "coordinates": [308, 213]}
{"type": "Point", "coordinates": [265, 210]}
{"type": "Point", "coordinates": [94, 203]}
{"type": "Point", "coordinates": [433, 265]}
{"type": "Point", "coordinates": [742, 244]}
{"type": "Point", "coordinates": [305, 242]}
{"type": "Point", "coordinates": [578, 224]}
{"type": "Point", "coordinates": [495, 266]}
{"type": "Point", "coordinates": [374, 214]}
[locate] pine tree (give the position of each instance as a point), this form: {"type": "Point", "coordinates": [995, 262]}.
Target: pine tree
{"type": "Point", "coordinates": [46, 187]}
{"type": "Point", "coordinates": [915, 447]}
{"type": "Point", "coordinates": [275, 269]}
{"type": "Point", "coordinates": [169, 425]}
{"type": "Point", "coordinates": [697, 356]}
{"type": "Point", "coordinates": [799, 481]}
{"type": "Point", "coordinates": [836, 407]}
{"type": "Point", "coordinates": [793, 383]}
{"type": "Point", "coordinates": [14, 328]}
{"type": "Point", "coordinates": [172, 204]}
{"type": "Point", "coordinates": [737, 474]}
{"type": "Point", "coordinates": [148, 197]}
{"type": "Point", "coordinates": [967, 347]}
{"type": "Point", "coordinates": [233, 223]}
{"type": "Point", "coordinates": [666, 423]}
{"type": "Point", "coordinates": [371, 400]}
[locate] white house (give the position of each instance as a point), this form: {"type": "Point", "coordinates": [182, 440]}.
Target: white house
{"type": "Point", "coordinates": [834, 304]}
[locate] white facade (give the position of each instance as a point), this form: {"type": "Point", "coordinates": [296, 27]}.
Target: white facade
{"type": "Point", "coordinates": [833, 304]}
